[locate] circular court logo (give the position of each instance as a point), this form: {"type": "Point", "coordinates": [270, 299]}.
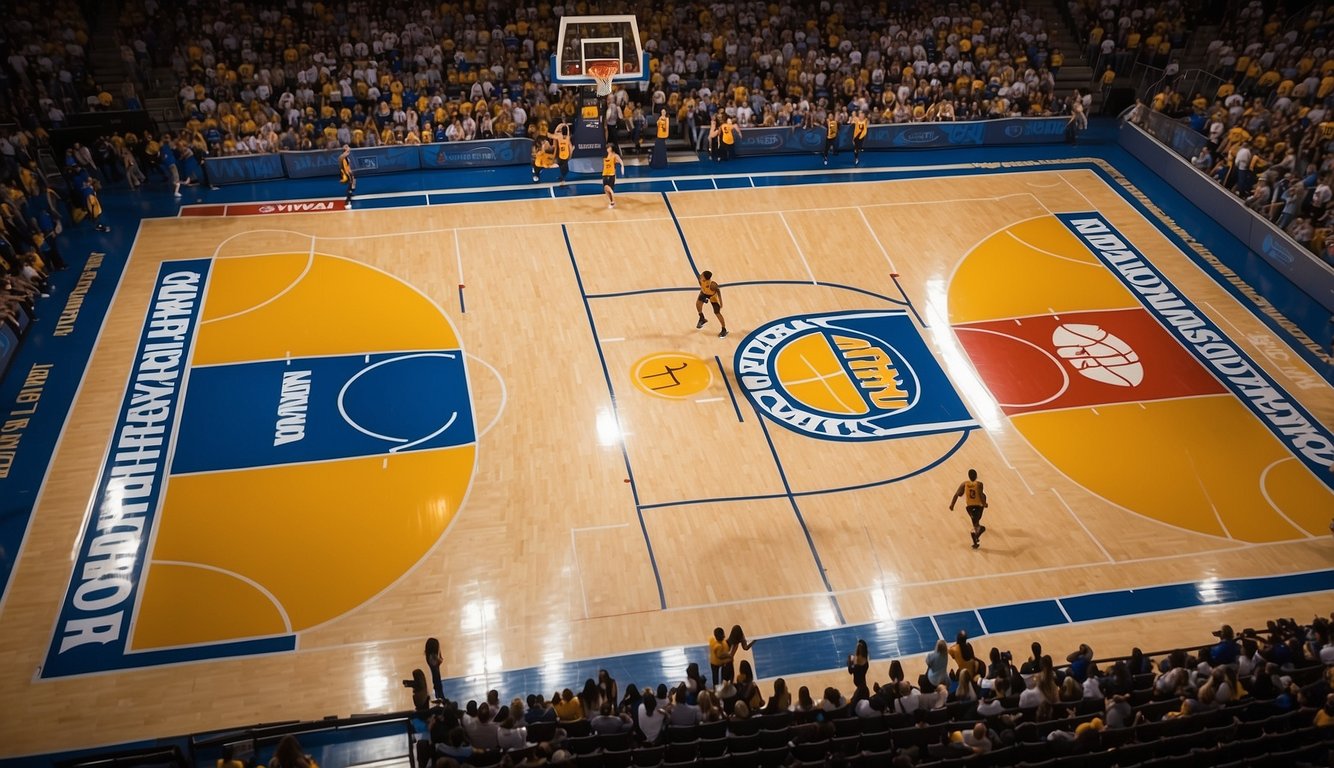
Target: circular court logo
{"type": "Point", "coordinates": [673, 375]}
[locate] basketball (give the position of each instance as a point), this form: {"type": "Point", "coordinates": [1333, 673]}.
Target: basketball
{"type": "Point", "coordinates": [1098, 355]}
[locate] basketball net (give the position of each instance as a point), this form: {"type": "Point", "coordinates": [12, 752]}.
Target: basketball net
{"type": "Point", "coordinates": [602, 71]}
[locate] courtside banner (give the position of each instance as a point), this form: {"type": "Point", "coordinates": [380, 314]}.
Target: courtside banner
{"type": "Point", "coordinates": [1308, 440]}
{"type": "Point", "coordinates": [95, 627]}
{"type": "Point", "coordinates": [239, 169]}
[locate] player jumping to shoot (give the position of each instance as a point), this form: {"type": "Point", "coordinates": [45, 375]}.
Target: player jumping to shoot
{"type": "Point", "coordinates": [974, 501]}
{"type": "Point", "coordinates": [710, 292]}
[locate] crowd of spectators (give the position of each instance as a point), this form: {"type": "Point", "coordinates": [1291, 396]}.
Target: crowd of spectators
{"type": "Point", "coordinates": [963, 703]}
{"type": "Point", "coordinates": [45, 72]}
{"type": "Point", "coordinates": [1267, 118]}
{"type": "Point", "coordinates": [30, 218]}
{"type": "Point", "coordinates": [260, 77]}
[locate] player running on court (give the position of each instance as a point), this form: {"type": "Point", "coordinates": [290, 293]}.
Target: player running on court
{"type": "Point", "coordinates": [859, 126]}
{"type": "Point", "coordinates": [609, 163]}
{"type": "Point", "coordinates": [710, 291]}
{"type": "Point", "coordinates": [974, 501]}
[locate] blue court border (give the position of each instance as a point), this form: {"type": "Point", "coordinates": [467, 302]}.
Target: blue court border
{"type": "Point", "coordinates": [823, 650]}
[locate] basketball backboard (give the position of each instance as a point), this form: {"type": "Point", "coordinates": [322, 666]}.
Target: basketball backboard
{"type": "Point", "coordinates": [584, 39]}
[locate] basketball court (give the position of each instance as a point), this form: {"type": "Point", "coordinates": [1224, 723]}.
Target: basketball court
{"type": "Point", "coordinates": [306, 443]}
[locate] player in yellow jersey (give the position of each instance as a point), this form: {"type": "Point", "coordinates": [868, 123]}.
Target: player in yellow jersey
{"type": "Point", "coordinates": [831, 134]}
{"type": "Point", "coordinates": [544, 156]}
{"type": "Point", "coordinates": [345, 174]}
{"type": "Point", "coordinates": [859, 128]}
{"type": "Point", "coordinates": [974, 501]}
{"type": "Point", "coordinates": [609, 163]}
{"type": "Point", "coordinates": [728, 133]}
{"type": "Point", "coordinates": [710, 291]}
{"type": "Point", "coordinates": [560, 138]}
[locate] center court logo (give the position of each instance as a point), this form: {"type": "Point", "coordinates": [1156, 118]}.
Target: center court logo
{"type": "Point", "coordinates": [848, 376]}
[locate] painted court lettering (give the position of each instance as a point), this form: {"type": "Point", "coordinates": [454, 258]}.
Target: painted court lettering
{"type": "Point", "coordinates": [292, 403]}
{"type": "Point", "coordinates": [1285, 418]}
{"type": "Point", "coordinates": [106, 574]}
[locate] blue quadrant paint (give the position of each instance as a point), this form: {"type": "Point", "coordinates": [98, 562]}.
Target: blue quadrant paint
{"type": "Point", "coordinates": [827, 649]}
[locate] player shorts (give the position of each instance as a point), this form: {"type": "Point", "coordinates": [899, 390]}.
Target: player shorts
{"type": "Point", "coordinates": [714, 300]}
{"type": "Point", "coordinates": [974, 514]}
{"type": "Point", "coordinates": [609, 181]}
{"type": "Point", "coordinates": [857, 144]}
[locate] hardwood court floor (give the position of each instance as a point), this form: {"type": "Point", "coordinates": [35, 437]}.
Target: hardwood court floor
{"type": "Point", "coordinates": [597, 525]}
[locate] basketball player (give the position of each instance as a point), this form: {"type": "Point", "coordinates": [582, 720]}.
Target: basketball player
{"type": "Point", "coordinates": [859, 123]}
{"type": "Point", "coordinates": [729, 133]}
{"type": "Point", "coordinates": [609, 163]}
{"type": "Point", "coordinates": [543, 157]}
{"type": "Point", "coordinates": [710, 292]}
{"type": "Point", "coordinates": [345, 174]}
{"type": "Point", "coordinates": [974, 501]}
{"type": "Point", "coordinates": [831, 134]}
{"type": "Point", "coordinates": [564, 148]}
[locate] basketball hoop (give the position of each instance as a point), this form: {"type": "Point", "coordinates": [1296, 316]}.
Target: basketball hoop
{"type": "Point", "coordinates": [603, 70]}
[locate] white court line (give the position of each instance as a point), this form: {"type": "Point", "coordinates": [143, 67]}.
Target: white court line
{"type": "Point", "coordinates": [978, 614]}
{"type": "Point", "coordinates": [751, 179]}
{"type": "Point", "coordinates": [1060, 174]}
{"type": "Point", "coordinates": [1064, 613]}
{"type": "Point", "coordinates": [1065, 376]}
{"type": "Point", "coordinates": [890, 204]}
{"type": "Point", "coordinates": [458, 256]}
{"type": "Point", "coordinates": [260, 588]}
{"type": "Point", "coordinates": [310, 263]}
{"type": "Point", "coordinates": [1025, 482]}
{"type": "Point", "coordinates": [715, 182]}
{"type": "Point", "coordinates": [710, 400]}
{"type": "Point", "coordinates": [1264, 491]}
{"type": "Point", "coordinates": [601, 527]}
{"type": "Point", "coordinates": [406, 444]}
{"type": "Point", "coordinates": [1080, 523]}
{"type": "Point", "coordinates": [939, 635]}
{"type": "Point", "coordinates": [504, 395]}
{"type": "Point", "coordinates": [674, 187]}
{"type": "Point", "coordinates": [1044, 251]}
{"type": "Point", "coordinates": [797, 245]}
{"type": "Point", "coordinates": [876, 238]}
{"type": "Point", "coordinates": [578, 572]}
{"type": "Point", "coordinates": [611, 339]}
{"type": "Point", "coordinates": [1195, 472]}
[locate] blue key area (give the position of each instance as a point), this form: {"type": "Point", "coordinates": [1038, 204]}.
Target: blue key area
{"type": "Point", "coordinates": [323, 408]}
{"type": "Point", "coordinates": [821, 650]}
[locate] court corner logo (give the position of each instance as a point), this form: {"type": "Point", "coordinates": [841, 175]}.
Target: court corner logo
{"type": "Point", "coordinates": [848, 376]}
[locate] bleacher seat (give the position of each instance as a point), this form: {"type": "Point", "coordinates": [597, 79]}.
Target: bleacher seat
{"type": "Point", "coordinates": [540, 732]}
{"type": "Point", "coordinates": [712, 747]}
{"type": "Point", "coordinates": [713, 730]}
{"type": "Point", "coordinates": [778, 721]}
{"type": "Point", "coordinates": [846, 745]}
{"type": "Point", "coordinates": [590, 760]}
{"type": "Point", "coordinates": [774, 756]}
{"type": "Point", "coordinates": [581, 745]}
{"type": "Point", "coordinates": [812, 751]}
{"type": "Point", "coordinates": [747, 727]}
{"type": "Point", "coordinates": [746, 759]}
{"type": "Point", "coordinates": [681, 733]}
{"type": "Point", "coordinates": [742, 743]}
{"type": "Point", "coordinates": [616, 758]}
{"type": "Point", "coordinates": [644, 757]}
{"type": "Point", "coordinates": [682, 750]}
{"type": "Point", "coordinates": [876, 759]}
{"type": "Point", "coordinates": [847, 726]}
{"type": "Point", "coordinates": [615, 741]}
{"type": "Point", "coordinates": [576, 728]}
{"type": "Point", "coordinates": [875, 742]}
